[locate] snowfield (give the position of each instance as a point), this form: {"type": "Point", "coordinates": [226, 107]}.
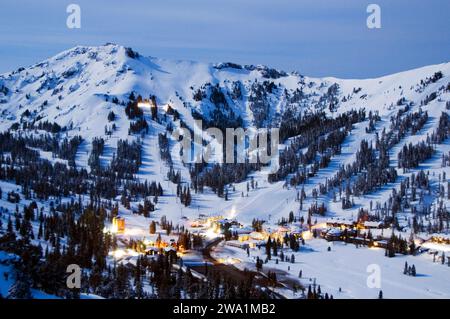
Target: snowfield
{"type": "Point", "coordinates": [353, 270]}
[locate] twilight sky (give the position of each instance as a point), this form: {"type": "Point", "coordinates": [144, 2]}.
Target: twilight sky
{"type": "Point", "coordinates": [314, 37]}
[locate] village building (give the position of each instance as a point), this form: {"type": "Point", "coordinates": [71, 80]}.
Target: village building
{"type": "Point", "coordinates": [258, 236]}
{"type": "Point", "coordinates": [240, 231]}
{"type": "Point", "coordinates": [440, 239]}
{"type": "Point", "coordinates": [118, 224]}
{"type": "Point", "coordinates": [372, 225]}
{"type": "Point", "coordinates": [296, 230]}
{"type": "Point", "coordinates": [340, 223]}
{"type": "Point", "coordinates": [197, 223]}
{"type": "Point", "coordinates": [333, 234]}
{"type": "Point", "coordinates": [239, 244]}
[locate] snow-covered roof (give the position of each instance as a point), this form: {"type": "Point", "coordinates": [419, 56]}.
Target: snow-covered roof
{"type": "Point", "coordinates": [372, 224]}
{"type": "Point", "coordinates": [340, 221]}
{"type": "Point", "coordinates": [436, 247]}
{"type": "Point", "coordinates": [283, 229]}
{"type": "Point", "coordinates": [256, 235]}
{"type": "Point", "coordinates": [334, 232]}
{"type": "Point", "coordinates": [296, 229]}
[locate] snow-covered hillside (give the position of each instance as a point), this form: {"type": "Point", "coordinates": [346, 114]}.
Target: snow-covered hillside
{"type": "Point", "coordinates": [87, 92]}
{"type": "Point", "coordinates": [76, 89]}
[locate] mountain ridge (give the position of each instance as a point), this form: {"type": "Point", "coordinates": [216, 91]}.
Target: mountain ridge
{"type": "Point", "coordinates": [117, 71]}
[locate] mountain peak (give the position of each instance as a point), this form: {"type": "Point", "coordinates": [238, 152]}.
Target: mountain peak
{"type": "Point", "coordinates": [89, 77]}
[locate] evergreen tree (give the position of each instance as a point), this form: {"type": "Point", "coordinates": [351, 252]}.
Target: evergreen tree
{"type": "Point", "coordinates": [152, 227]}
{"type": "Point", "coordinates": [21, 288]}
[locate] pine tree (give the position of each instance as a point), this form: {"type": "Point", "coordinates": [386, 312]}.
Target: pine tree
{"type": "Point", "coordinates": [268, 248]}
{"type": "Point", "coordinates": [21, 288]}
{"type": "Point", "coordinates": [310, 294]}
{"type": "Point", "coordinates": [152, 228]}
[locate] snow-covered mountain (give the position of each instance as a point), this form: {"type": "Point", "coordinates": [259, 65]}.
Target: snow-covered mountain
{"type": "Point", "coordinates": [91, 92]}
{"type": "Point", "coordinates": [75, 88]}
{"type": "Point", "coordinates": [78, 88]}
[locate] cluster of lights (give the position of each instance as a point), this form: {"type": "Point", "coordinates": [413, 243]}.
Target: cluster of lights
{"type": "Point", "coordinates": [307, 235]}
{"type": "Point", "coordinates": [229, 261]}
{"type": "Point", "coordinates": [440, 240]}
{"type": "Point", "coordinates": [121, 253]}
{"type": "Point", "coordinates": [211, 233]}
{"type": "Point", "coordinates": [145, 104]}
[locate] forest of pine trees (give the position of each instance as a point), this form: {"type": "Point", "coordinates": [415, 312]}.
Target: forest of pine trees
{"type": "Point", "coordinates": [320, 134]}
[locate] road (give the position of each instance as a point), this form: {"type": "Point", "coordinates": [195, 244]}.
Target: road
{"type": "Point", "coordinates": [233, 272]}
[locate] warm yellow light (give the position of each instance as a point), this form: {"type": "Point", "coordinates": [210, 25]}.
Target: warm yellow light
{"type": "Point", "coordinates": [211, 233]}
{"type": "Point", "coordinates": [148, 242]}
{"type": "Point", "coordinates": [114, 229]}
{"type": "Point", "coordinates": [145, 104]}
{"type": "Point", "coordinates": [228, 261]}
{"type": "Point", "coordinates": [118, 253]}
{"type": "Point", "coordinates": [121, 253]}
{"type": "Point", "coordinates": [306, 235]}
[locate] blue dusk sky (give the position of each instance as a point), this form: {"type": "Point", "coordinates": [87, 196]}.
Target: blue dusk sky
{"type": "Point", "coordinates": [313, 37]}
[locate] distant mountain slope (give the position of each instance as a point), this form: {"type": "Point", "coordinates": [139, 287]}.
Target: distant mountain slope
{"type": "Point", "coordinates": [80, 87]}
{"type": "Point", "coordinates": [71, 89]}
